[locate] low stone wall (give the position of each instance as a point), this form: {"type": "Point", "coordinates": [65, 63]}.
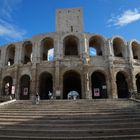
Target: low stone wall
{"type": "Point", "coordinates": [135, 95]}
{"type": "Point", "coordinates": [5, 98]}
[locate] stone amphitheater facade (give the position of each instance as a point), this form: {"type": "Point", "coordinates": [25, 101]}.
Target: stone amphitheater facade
{"type": "Point", "coordinates": [114, 71]}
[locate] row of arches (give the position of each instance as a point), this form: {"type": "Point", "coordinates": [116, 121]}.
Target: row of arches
{"type": "Point", "coordinates": [71, 82]}
{"type": "Point", "coordinates": [71, 47]}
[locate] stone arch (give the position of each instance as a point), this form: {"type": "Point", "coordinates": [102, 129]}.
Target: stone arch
{"type": "Point", "coordinates": [27, 52]}
{"type": "Point", "coordinates": [135, 45]}
{"type": "Point", "coordinates": [138, 82]}
{"type": "Point", "coordinates": [10, 55]}
{"type": "Point", "coordinates": [122, 85]}
{"type": "Point", "coordinates": [118, 46]}
{"type": "Point", "coordinates": [71, 45]}
{"type": "Point", "coordinates": [96, 45]}
{"type": "Point", "coordinates": [71, 82]}
{"type": "Point", "coordinates": [7, 85]}
{"type": "Point", "coordinates": [47, 46]}
{"type": "Point", "coordinates": [45, 85]}
{"type": "Point", "coordinates": [99, 85]}
{"type": "Point", "coordinates": [25, 87]}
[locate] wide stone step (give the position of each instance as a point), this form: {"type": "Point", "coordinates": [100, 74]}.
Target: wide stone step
{"type": "Point", "coordinates": [118, 137]}
{"type": "Point", "coordinates": [70, 126]}
{"type": "Point", "coordinates": [74, 133]}
{"type": "Point", "coordinates": [69, 122]}
{"type": "Point", "coordinates": [70, 117]}
{"type": "Point", "coordinates": [71, 109]}
{"type": "Point", "coordinates": [68, 113]}
{"type": "Point", "coordinates": [81, 119]}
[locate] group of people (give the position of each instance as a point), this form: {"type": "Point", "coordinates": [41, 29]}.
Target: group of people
{"type": "Point", "coordinates": [36, 98]}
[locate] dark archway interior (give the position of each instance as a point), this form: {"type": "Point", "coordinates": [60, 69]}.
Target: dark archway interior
{"type": "Point", "coordinates": [71, 82]}
{"type": "Point", "coordinates": [25, 87]}
{"type": "Point", "coordinates": [122, 86]}
{"type": "Point", "coordinates": [10, 55]}
{"type": "Point", "coordinates": [47, 44]}
{"type": "Point", "coordinates": [27, 47]}
{"type": "Point", "coordinates": [71, 46]}
{"type": "Point", "coordinates": [118, 47]}
{"type": "Point", "coordinates": [96, 43]}
{"type": "Point", "coordinates": [99, 88]}
{"type": "Point", "coordinates": [135, 50]}
{"type": "Point", "coordinates": [7, 85]}
{"type": "Point", "coordinates": [46, 85]}
{"type": "Point", "coordinates": [138, 82]}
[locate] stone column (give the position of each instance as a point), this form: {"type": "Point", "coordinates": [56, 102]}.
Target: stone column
{"type": "Point", "coordinates": [18, 53]}
{"type": "Point", "coordinates": [57, 91]}
{"type": "Point", "coordinates": [86, 60]}
{"type": "Point", "coordinates": [85, 51]}
{"type": "Point", "coordinates": [1, 82]}
{"type": "Point", "coordinates": [33, 80]}
{"type": "Point", "coordinates": [132, 84]}
{"type": "Point", "coordinates": [111, 78]}
{"type": "Point", "coordinates": [3, 56]}
{"type": "Point", "coordinates": [36, 52]}
{"type": "Point", "coordinates": [86, 83]}
{"type": "Point", "coordinates": [112, 82]}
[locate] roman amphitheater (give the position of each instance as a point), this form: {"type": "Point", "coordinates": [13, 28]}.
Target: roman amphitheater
{"type": "Point", "coordinates": [113, 70]}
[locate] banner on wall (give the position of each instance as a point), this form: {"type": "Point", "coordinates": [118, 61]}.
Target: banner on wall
{"type": "Point", "coordinates": [96, 92]}
{"type": "Point", "coordinates": [25, 91]}
{"type": "Point", "coordinates": [13, 90]}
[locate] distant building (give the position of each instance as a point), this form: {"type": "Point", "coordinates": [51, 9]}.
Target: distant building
{"type": "Point", "coordinates": [70, 60]}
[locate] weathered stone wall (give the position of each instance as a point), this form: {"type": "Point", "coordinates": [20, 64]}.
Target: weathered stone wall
{"type": "Point", "coordinates": [85, 65]}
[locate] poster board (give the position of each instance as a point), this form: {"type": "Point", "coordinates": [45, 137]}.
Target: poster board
{"type": "Point", "coordinates": [25, 91]}
{"type": "Point", "coordinates": [96, 92]}
{"type": "Point", "coordinates": [13, 90]}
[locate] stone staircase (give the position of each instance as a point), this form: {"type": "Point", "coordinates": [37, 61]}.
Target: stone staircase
{"type": "Point", "coordinates": [104, 119]}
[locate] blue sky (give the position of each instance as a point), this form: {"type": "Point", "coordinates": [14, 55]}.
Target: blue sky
{"type": "Point", "coordinates": [21, 19]}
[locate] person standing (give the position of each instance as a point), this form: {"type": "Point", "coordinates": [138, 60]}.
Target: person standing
{"type": "Point", "coordinates": [37, 98]}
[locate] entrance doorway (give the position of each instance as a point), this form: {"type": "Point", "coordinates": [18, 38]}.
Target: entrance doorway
{"type": "Point", "coordinates": [25, 87]}
{"type": "Point", "coordinates": [122, 87]}
{"type": "Point", "coordinates": [138, 82]}
{"type": "Point", "coordinates": [71, 82]}
{"type": "Point", "coordinates": [99, 88]}
{"type": "Point", "coordinates": [7, 85]}
{"type": "Point", "coordinates": [46, 85]}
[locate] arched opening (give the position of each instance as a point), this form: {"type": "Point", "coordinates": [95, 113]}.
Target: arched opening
{"type": "Point", "coordinates": [45, 85]}
{"type": "Point", "coordinates": [25, 87]}
{"type": "Point", "coordinates": [47, 49]}
{"type": "Point", "coordinates": [7, 86]}
{"type": "Point", "coordinates": [10, 55]}
{"type": "Point", "coordinates": [99, 87]}
{"type": "Point", "coordinates": [122, 86]}
{"type": "Point", "coordinates": [136, 50]}
{"type": "Point", "coordinates": [71, 44]}
{"type": "Point", "coordinates": [95, 46]}
{"type": "Point", "coordinates": [138, 82]}
{"type": "Point", "coordinates": [118, 47]}
{"type": "Point", "coordinates": [71, 82]}
{"type": "Point", "coordinates": [27, 52]}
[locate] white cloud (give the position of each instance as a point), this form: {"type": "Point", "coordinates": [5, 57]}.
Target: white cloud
{"type": "Point", "coordinates": [125, 18]}
{"type": "Point", "coordinates": [7, 7]}
{"type": "Point", "coordinates": [8, 29]}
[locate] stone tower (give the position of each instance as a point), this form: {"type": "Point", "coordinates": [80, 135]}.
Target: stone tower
{"type": "Point", "coordinates": [69, 20]}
